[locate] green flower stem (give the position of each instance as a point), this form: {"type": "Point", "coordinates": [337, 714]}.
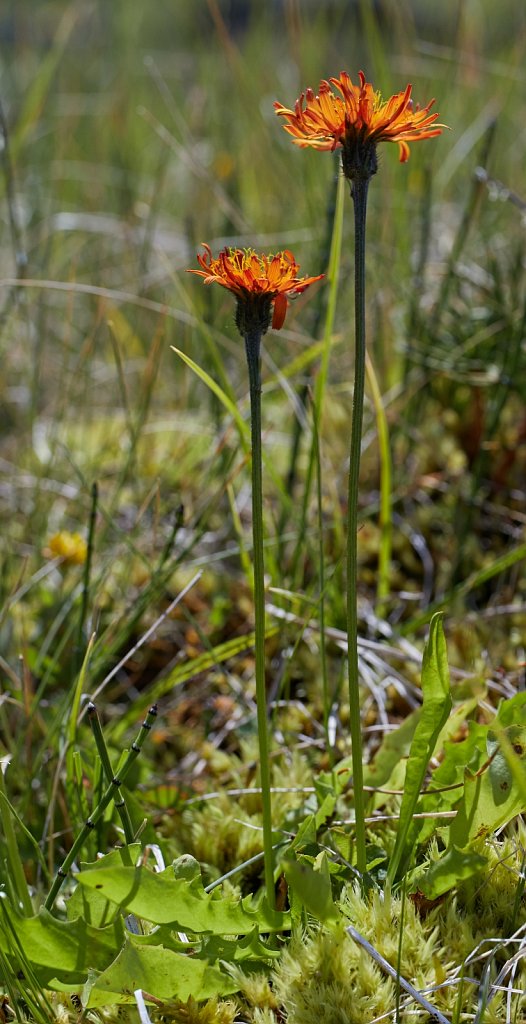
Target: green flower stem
{"type": "Point", "coordinates": [252, 347]}
{"type": "Point", "coordinates": [359, 194]}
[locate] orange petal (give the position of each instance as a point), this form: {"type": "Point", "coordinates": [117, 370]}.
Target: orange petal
{"type": "Point", "coordinates": [280, 312]}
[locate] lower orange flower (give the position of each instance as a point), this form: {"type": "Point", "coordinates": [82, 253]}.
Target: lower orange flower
{"type": "Point", "coordinates": [259, 282]}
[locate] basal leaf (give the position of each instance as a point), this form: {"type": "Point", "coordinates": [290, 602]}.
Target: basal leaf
{"type": "Point", "coordinates": [90, 904]}
{"type": "Point", "coordinates": [308, 830]}
{"type": "Point", "coordinates": [454, 867]}
{"type": "Point", "coordinates": [394, 747]}
{"type": "Point", "coordinates": [250, 948]}
{"type": "Point", "coordinates": [157, 972]}
{"type": "Point", "coordinates": [494, 789]}
{"type": "Point", "coordinates": [161, 899]}
{"type": "Point", "coordinates": [490, 799]}
{"type": "Point", "coordinates": [61, 949]}
{"type": "Point", "coordinates": [448, 779]}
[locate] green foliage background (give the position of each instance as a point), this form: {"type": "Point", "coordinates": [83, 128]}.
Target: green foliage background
{"type": "Point", "coordinates": [134, 133]}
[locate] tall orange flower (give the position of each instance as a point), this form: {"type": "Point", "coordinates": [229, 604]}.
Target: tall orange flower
{"type": "Point", "coordinates": [258, 281]}
{"type": "Point", "coordinates": [356, 118]}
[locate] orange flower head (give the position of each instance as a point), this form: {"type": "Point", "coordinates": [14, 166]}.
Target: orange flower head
{"type": "Point", "coordinates": [355, 118]}
{"type": "Point", "coordinates": [259, 283]}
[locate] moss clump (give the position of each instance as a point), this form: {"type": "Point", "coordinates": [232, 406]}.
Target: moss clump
{"type": "Point", "coordinates": [324, 977]}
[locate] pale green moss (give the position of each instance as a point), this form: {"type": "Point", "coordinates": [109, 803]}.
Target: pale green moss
{"type": "Point", "coordinates": [225, 831]}
{"type": "Point", "coordinates": [261, 1004]}
{"type": "Point", "coordinates": [324, 977]}
{"type": "Point", "coordinates": [214, 1011]}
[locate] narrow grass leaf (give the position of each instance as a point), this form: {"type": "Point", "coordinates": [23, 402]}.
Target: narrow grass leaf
{"type": "Point", "coordinates": [71, 730]}
{"type": "Point", "coordinates": [436, 707]}
{"type": "Point", "coordinates": [476, 579]}
{"type": "Point", "coordinates": [333, 274]}
{"type": "Point", "coordinates": [202, 663]}
{"type": "Point", "coordinates": [227, 402]}
{"type": "Point", "coordinates": [36, 96]}
{"type": "Point", "coordinates": [386, 525]}
{"type": "Point", "coordinates": [14, 859]}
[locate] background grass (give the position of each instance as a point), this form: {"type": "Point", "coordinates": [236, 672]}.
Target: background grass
{"type": "Point", "coordinates": [135, 132]}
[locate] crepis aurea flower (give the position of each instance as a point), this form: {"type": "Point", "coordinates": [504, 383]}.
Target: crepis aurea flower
{"type": "Point", "coordinates": [355, 118]}
{"type": "Point", "coordinates": [71, 548]}
{"type": "Point", "coordinates": [262, 284]}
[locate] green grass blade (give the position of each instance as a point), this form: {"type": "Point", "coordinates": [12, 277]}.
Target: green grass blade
{"type": "Point", "coordinates": [71, 730]}
{"type": "Point", "coordinates": [14, 859]}
{"type": "Point", "coordinates": [386, 474]}
{"type": "Point", "coordinates": [333, 277]}
{"type": "Point", "coordinates": [501, 564]}
{"type": "Point", "coordinates": [38, 92]}
{"type": "Point", "coordinates": [436, 707]}
{"type": "Point", "coordinates": [227, 402]}
{"type": "Point", "coordinates": [182, 673]}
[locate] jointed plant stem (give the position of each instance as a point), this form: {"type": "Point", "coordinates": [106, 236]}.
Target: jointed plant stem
{"type": "Point", "coordinates": [120, 804]}
{"type": "Point", "coordinates": [252, 347]}
{"type": "Point", "coordinates": [359, 195]}
{"type": "Point", "coordinates": [108, 795]}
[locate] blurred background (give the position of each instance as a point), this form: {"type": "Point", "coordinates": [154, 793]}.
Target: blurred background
{"type": "Point", "coordinates": [137, 131]}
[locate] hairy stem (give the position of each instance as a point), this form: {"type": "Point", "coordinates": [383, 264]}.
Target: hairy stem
{"type": "Point", "coordinates": [253, 346]}
{"type": "Point", "coordinates": [359, 195]}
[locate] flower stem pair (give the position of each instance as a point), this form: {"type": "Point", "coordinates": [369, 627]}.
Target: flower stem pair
{"type": "Point", "coordinates": [353, 118]}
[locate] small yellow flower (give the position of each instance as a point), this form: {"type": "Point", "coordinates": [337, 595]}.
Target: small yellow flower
{"type": "Point", "coordinates": [258, 281]}
{"type": "Point", "coordinates": [355, 118]}
{"type": "Point", "coordinates": [71, 548]}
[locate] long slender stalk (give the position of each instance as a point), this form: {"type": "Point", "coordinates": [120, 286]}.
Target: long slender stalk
{"type": "Point", "coordinates": [120, 804]}
{"type": "Point", "coordinates": [87, 575]}
{"type": "Point", "coordinates": [252, 347]}
{"type": "Point", "coordinates": [386, 475]}
{"type": "Point", "coordinates": [333, 276]}
{"type": "Point", "coordinates": [109, 794]}
{"type": "Point", "coordinates": [321, 574]}
{"type": "Point", "coordinates": [14, 860]}
{"type": "Point", "coordinates": [359, 195]}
